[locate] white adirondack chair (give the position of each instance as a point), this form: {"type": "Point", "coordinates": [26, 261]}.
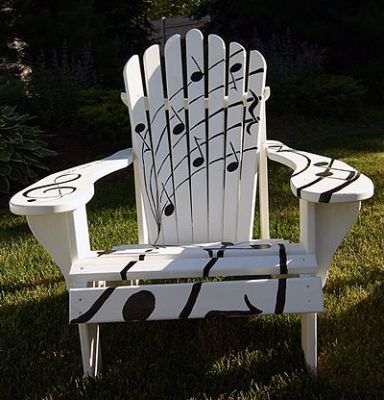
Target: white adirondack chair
{"type": "Point", "coordinates": [199, 145]}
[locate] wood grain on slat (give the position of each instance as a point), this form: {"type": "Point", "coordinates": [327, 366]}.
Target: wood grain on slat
{"type": "Point", "coordinates": [162, 171]}
{"type": "Point", "coordinates": [197, 134]}
{"type": "Point", "coordinates": [141, 145]}
{"type": "Point", "coordinates": [248, 178]}
{"type": "Point", "coordinates": [178, 137]}
{"type": "Point", "coordinates": [234, 136]}
{"type": "Point", "coordinates": [216, 135]}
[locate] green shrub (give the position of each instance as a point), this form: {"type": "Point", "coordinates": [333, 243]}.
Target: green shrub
{"type": "Point", "coordinates": [21, 148]}
{"type": "Point", "coordinates": [53, 94]}
{"type": "Point", "coordinates": [12, 91]}
{"type": "Point", "coordinates": [103, 119]}
{"type": "Point", "coordinates": [331, 95]}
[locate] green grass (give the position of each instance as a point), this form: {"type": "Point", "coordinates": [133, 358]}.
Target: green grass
{"type": "Point", "coordinates": [244, 358]}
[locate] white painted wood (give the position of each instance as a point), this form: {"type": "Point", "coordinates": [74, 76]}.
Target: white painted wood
{"type": "Point", "coordinates": [251, 146]}
{"type": "Point", "coordinates": [263, 180]}
{"type": "Point", "coordinates": [196, 300]}
{"type": "Point", "coordinates": [165, 202]}
{"type": "Point", "coordinates": [65, 237]}
{"type": "Point", "coordinates": [234, 138]}
{"type": "Point", "coordinates": [309, 339]}
{"type": "Point", "coordinates": [216, 134]}
{"type": "Point", "coordinates": [197, 133]}
{"type": "Point", "coordinates": [321, 179]}
{"type": "Point", "coordinates": [194, 262]}
{"type": "Point", "coordinates": [90, 349]}
{"type": "Point", "coordinates": [178, 137]}
{"type": "Point", "coordinates": [69, 189]}
{"type": "Point", "coordinates": [141, 142]}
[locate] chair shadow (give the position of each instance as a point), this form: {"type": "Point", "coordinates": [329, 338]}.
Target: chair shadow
{"type": "Point", "coordinates": [161, 359]}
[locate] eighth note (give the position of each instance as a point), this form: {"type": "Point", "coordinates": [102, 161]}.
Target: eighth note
{"type": "Point", "coordinates": [234, 164]}
{"type": "Point", "coordinates": [197, 75]}
{"type": "Point", "coordinates": [170, 208]}
{"type": "Point", "coordinates": [199, 160]}
{"type": "Point", "coordinates": [178, 128]}
{"type": "Point", "coordinates": [235, 67]}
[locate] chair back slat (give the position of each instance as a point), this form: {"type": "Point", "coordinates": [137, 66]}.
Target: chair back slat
{"type": "Point", "coordinates": [178, 137]}
{"type": "Point", "coordinates": [197, 142]}
{"type": "Point", "coordinates": [141, 143]}
{"type": "Point", "coordinates": [197, 133]}
{"type": "Point", "coordinates": [163, 195]}
{"type": "Point", "coordinates": [234, 137]}
{"type": "Point", "coordinates": [251, 145]}
{"type": "Point", "coordinates": [216, 135]}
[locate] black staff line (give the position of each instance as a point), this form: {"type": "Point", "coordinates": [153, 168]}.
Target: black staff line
{"type": "Point", "coordinates": [308, 160]}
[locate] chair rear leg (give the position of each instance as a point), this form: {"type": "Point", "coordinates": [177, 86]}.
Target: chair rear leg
{"type": "Point", "coordinates": [90, 349]}
{"type": "Point", "coordinates": [309, 339]}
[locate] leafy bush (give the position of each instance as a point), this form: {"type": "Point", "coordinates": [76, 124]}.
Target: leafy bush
{"type": "Point", "coordinates": [331, 95]}
{"type": "Point", "coordinates": [12, 91]}
{"type": "Point", "coordinates": [21, 148]}
{"type": "Point", "coordinates": [102, 118]}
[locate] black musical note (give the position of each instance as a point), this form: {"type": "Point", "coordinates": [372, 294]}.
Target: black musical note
{"type": "Point", "coordinates": [199, 160]}
{"type": "Point", "coordinates": [234, 164]}
{"type": "Point", "coordinates": [139, 128]}
{"type": "Point", "coordinates": [255, 119]}
{"type": "Point", "coordinates": [170, 208]}
{"type": "Point", "coordinates": [235, 67]}
{"type": "Point", "coordinates": [328, 171]}
{"type": "Point", "coordinates": [197, 75]}
{"type": "Point", "coordinates": [61, 191]}
{"type": "Point", "coordinates": [178, 128]}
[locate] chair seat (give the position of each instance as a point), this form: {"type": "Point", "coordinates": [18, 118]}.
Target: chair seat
{"type": "Point", "coordinates": [258, 257]}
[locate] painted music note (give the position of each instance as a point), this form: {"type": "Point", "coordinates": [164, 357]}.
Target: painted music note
{"type": "Point", "coordinates": [197, 162]}
{"type": "Point", "coordinates": [235, 68]}
{"type": "Point", "coordinates": [234, 164]}
{"type": "Point", "coordinates": [197, 75]}
{"type": "Point", "coordinates": [255, 119]}
{"type": "Point", "coordinates": [328, 171]}
{"type": "Point", "coordinates": [180, 127]}
{"type": "Point", "coordinates": [170, 207]}
{"type": "Point", "coordinates": [57, 189]}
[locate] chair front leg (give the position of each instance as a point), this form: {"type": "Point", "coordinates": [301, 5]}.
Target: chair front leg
{"type": "Point", "coordinates": [309, 339]}
{"type": "Point", "coordinates": [90, 349]}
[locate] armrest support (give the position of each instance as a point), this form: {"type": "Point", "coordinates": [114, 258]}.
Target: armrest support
{"type": "Point", "coordinates": [69, 189]}
{"type": "Point", "coordinates": [320, 179]}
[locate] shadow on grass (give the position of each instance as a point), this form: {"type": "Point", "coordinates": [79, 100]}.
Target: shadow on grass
{"type": "Point", "coordinates": [155, 360]}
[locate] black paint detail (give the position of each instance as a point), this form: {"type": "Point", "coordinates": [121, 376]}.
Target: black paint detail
{"type": "Point", "coordinates": [256, 71]}
{"type": "Point", "coordinates": [326, 196]}
{"type": "Point", "coordinates": [197, 75]}
{"type": "Point", "coordinates": [220, 253]}
{"type": "Point", "coordinates": [141, 257]}
{"type": "Point", "coordinates": [170, 208]}
{"type": "Point", "coordinates": [209, 266]}
{"type": "Point", "coordinates": [139, 128]}
{"type": "Point", "coordinates": [223, 313]}
{"type": "Point", "coordinates": [104, 252]}
{"type": "Point", "coordinates": [139, 306]}
{"type": "Point", "coordinates": [197, 162]}
{"type": "Point", "coordinates": [123, 272]}
{"type": "Point", "coordinates": [280, 298]}
{"type": "Point", "coordinates": [251, 110]}
{"type": "Point", "coordinates": [321, 164]}
{"type": "Point", "coordinates": [210, 252]}
{"type": "Point", "coordinates": [298, 192]}
{"type": "Point", "coordinates": [283, 259]}
{"type": "Point", "coordinates": [186, 311]}
{"type": "Point", "coordinates": [56, 186]}
{"type": "Point", "coordinates": [180, 127]}
{"type": "Point", "coordinates": [261, 246]}
{"type": "Point", "coordinates": [324, 174]}
{"type": "Point", "coordinates": [225, 244]}
{"type": "Point", "coordinates": [282, 284]}
{"type": "Point", "coordinates": [95, 307]}
{"type": "Point", "coordinates": [234, 164]}
{"type": "Point", "coordinates": [235, 67]}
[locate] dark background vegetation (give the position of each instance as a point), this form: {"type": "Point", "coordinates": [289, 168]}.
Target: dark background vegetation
{"type": "Point", "coordinates": [61, 62]}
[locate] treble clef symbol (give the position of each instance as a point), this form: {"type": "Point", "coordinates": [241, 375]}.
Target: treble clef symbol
{"type": "Point", "coordinates": [53, 191]}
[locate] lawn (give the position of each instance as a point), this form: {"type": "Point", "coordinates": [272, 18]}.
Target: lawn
{"type": "Point", "coordinates": [242, 358]}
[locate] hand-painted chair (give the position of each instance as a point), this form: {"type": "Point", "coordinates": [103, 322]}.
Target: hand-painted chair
{"type": "Point", "coordinates": [199, 150]}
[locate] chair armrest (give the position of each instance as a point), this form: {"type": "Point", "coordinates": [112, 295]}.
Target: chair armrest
{"type": "Point", "coordinates": [320, 179]}
{"type": "Point", "coordinates": [69, 189]}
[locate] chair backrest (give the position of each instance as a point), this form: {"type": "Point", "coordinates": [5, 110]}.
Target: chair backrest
{"type": "Point", "coordinates": [196, 117]}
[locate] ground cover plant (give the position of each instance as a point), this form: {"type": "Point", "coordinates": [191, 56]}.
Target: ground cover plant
{"type": "Point", "coordinates": [242, 358]}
